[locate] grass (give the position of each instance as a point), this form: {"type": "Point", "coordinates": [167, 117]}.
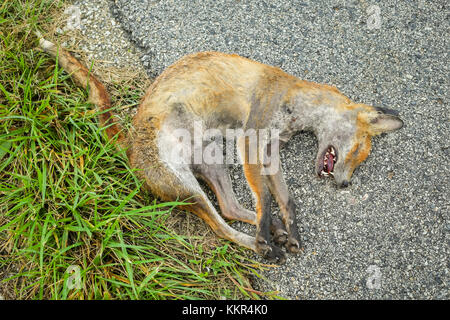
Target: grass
{"type": "Point", "coordinates": [69, 201]}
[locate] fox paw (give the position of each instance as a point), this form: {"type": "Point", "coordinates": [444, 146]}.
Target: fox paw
{"type": "Point", "coordinates": [280, 236]}
{"type": "Point", "coordinates": [269, 252]}
{"type": "Point", "coordinates": [293, 245]}
{"type": "Point", "coordinates": [278, 231]}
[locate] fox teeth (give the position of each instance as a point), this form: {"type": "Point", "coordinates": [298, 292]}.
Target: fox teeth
{"type": "Point", "coordinates": [331, 152]}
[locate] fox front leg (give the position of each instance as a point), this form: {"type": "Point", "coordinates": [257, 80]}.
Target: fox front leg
{"type": "Point", "coordinates": [258, 184]}
{"type": "Point", "coordinates": [280, 192]}
{"type": "Point", "coordinates": [264, 218]}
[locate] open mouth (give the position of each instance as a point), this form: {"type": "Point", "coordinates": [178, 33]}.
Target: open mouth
{"type": "Point", "coordinates": [326, 163]}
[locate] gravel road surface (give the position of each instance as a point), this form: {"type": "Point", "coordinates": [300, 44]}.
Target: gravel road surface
{"type": "Point", "coordinates": [387, 235]}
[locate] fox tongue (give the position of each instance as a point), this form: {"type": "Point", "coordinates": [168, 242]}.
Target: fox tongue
{"type": "Point", "coordinates": [330, 163]}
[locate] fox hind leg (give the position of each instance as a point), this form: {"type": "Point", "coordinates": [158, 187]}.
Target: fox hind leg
{"type": "Point", "coordinates": [218, 179]}
{"type": "Point", "coordinates": [172, 183]}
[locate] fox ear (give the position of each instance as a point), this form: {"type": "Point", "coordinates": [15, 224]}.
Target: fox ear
{"type": "Point", "coordinates": [384, 123]}
{"type": "Point", "coordinates": [387, 111]}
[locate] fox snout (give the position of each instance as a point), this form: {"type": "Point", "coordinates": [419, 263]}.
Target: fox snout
{"type": "Point", "coordinates": [344, 184]}
{"type": "Point", "coordinates": [342, 179]}
{"type": "Point", "coordinates": [329, 165]}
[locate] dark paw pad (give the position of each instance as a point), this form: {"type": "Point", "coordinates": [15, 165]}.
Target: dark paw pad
{"type": "Point", "coordinates": [276, 255]}
{"type": "Point", "coordinates": [280, 236]}
{"type": "Point", "coordinates": [269, 252]}
{"type": "Point", "coordinates": [263, 247]}
{"type": "Point", "coordinates": [293, 245]}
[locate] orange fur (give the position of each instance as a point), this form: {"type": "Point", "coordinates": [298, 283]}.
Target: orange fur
{"type": "Point", "coordinates": [363, 144]}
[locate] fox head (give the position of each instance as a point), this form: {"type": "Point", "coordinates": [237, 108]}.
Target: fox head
{"type": "Point", "coordinates": [345, 138]}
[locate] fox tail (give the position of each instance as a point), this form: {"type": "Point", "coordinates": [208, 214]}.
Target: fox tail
{"type": "Point", "coordinates": [86, 80]}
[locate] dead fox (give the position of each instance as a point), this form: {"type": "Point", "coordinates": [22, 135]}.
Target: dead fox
{"type": "Point", "coordinates": [226, 91]}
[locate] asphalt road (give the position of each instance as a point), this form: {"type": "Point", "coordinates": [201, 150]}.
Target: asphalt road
{"type": "Point", "coordinates": [387, 235]}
